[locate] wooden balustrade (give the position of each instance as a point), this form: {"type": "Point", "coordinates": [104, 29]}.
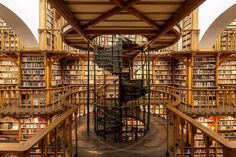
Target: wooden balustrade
{"type": "Point", "coordinates": [205, 101]}
{"type": "Point", "coordinates": [56, 138]}
{"type": "Point", "coordinates": [32, 101]}
{"type": "Point", "coordinates": [9, 40]}
{"type": "Point", "coordinates": [226, 41]}
{"type": "Point", "coordinates": [165, 103]}
{"type": "Point", "coordinates": [185, 128]}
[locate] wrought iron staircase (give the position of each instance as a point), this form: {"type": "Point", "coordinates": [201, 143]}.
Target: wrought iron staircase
{"type": "Point", "coordinates": [113, 117]}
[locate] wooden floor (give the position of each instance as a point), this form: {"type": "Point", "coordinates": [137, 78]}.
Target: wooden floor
{"type": "Point", "coordinates": [153, 144]}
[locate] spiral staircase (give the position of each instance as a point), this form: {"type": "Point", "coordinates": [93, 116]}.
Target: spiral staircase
{"type": "Point", "coordinates": [119, 115]}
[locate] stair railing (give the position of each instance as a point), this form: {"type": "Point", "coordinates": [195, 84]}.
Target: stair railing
{"type": "Point", "coordinates": [56, 138]}
{"type": "Point", "coordinates": [184, 129]}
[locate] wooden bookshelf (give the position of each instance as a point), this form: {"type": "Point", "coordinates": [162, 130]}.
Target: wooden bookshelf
{"type": "Point", "coordinates": [106, 40]}
{"type": "Point", "coordinates": [56, 74]}
{"type": "Point", "coordinates": [227, 127]}
{"type": "Point", "coordinates": [31, 126]}
{"type": "Point", "coordinates": [204, 72]}
{"type": "Point", "coordinates": [137, 68]}
{"type": "Point", "coordinates": [73, 72]}
{"type": "Point", "coordinates": [163, 72]}
{"type": "Point", "coordinates": [33, 71]}
{"type": "Point", "coordinates": [204, 78]}
{"type": "Point", "coordinates": [180, 74]}
{"type": "Point", "coordinates": [227, 73]}
{"type": "Point", "coordinates": [8, 72]}
{"type": "Point", "coordinates": [99, 74]}
{"type": "Point", "coordinates": [9, 129]}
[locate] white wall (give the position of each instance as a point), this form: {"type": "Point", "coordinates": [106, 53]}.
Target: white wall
{"type": "Point", "coordinates": [23, 17]}
{"type": "Point", "coordinates": [214, 16]}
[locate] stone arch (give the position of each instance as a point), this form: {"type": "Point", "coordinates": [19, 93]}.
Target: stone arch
{"type": "Point", "coordinates": [214, 17]}
{"type": "Point", "coordinates": [18, 21]}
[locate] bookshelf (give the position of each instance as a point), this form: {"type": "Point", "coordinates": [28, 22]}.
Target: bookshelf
{"type": "Point", "coordinates": [73, 72]}
{"type": "Point", "coordinates": [163, 72]}
{"type": "Point", "coordinates": [99, 74]}
{"type": "Point", "coordinates": [180, 74]}
{"type": "Point", "coordinates": [204, 72]}
{"type": "Point", "coordinates": [8, 72]}
{"type": "Point", "coordinates": [227, 73]}
{"type": "Point", "coordinates": [137, 67]}
{"type": "Point", "coordinates": [186, 34]}
{"type": "Point", "coordinates": [32, 72]}
{"type": "Point", "coordinates": [9, 129]}
{"type": "Point", "coordinates": [106, 40]}
{"type": "Point", "coordinates": [204, 78]}
{"type": "Point", "coordinates": [49, 25]}
{"type": "Point", "coordinates": [227, 127]}
{"type": "Point", "coordinates": [56, 74]}
{"type": "Point", "coordinates": [31, 126]}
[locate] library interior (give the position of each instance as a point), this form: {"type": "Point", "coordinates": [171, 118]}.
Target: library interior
{"type": "Point", "coordinates": [117, 78]}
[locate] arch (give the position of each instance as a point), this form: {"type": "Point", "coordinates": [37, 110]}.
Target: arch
{"type": "Point", "coordinates": [214, 17]}
{"type": "Point", "coordinates": [24, 20]}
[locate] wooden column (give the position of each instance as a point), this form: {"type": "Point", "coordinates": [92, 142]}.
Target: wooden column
{"type": "Point", "coordinates": [42, 24]}
{"type": "Point", "coordinates": [182, 138]}
{"type": "Point", "coordinates": [48, 77]}
{"type": "Point", "coordinates": [19, 130]}
{"type": "Point", "coordinates": [190, 80]}
{"type": "Point", "coordinates": [194, 39]}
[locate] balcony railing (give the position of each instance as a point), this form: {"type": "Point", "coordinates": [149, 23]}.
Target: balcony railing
{"type": "Point", "coordinates": [164, 102]}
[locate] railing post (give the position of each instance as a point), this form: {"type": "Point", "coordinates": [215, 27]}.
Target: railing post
{"type": "Point", "coordinates": [182, 138]}
{"type": "Point", "coordinates": [207, 143]}
{"type": "Point", "coordinates": [65, 143]}
{"type": "Point", "coordinates": [76, 135]}
{"type": "Point", "coordinates": [167, 134]}
{"type": "Point", "coordinates": [193, 130]}
{"type": "Point", "coordinates": [42, 148]}
{"type": "Point", "coordinates": [70, 135]}
{"type": "Point", "coordinates": [55, 141]}
{"type": "Point", "coordinates": [174, 133]}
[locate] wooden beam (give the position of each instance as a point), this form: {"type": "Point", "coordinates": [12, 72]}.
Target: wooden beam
{"type": "Point", "coordinates": [137, 13]}
{"type": "Point", "coordinates": [95, 2]}
{"type": "Point", "coordinates": [64, 11]}
{"type": "Point", "coordinates": [121, 13]}
{"type": "Point", "coordinates": [121, 31]}
{"type": "Point", "coordinates": [102, 17]}
{"type": "Point", "coordinates": [109, 13]}
{"type": "Point", "coordinates": [182, 11]}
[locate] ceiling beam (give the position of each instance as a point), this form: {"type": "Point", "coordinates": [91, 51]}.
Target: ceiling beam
{"type": "Point", "coordinates": [121, 31]}
{"type": "Point", "coordinates": [64, 11]}
{"type": "Point", "coordinates": [137, 13]}
{"type": "Point", "coordinates": [181, 12]}
{"type": "Point", "coordinates": [95, 2]}
{"type": "Point", "coordinates": [102, 17]}
{"type": "Point", "coordinates": [109, 13]}
{"type": "Point", "coordinates": [120, 13]}
{"type": "Point", "coordinates": [143, 17]}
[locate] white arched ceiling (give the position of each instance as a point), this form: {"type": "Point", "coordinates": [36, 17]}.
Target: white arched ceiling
{"type": "Point", "coordinates": [23, 17]}
{"type": "Point", "coordinates": [214, 17]}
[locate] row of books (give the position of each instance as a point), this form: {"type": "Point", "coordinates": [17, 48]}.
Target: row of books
{"type": "Point", "coordinates": [33, 84]}
{"type": "Point", "coordinates": [33, 65]}
{"type": "Point", "coordinates": [33, 59]}
{"type": "Point", "coordinates": [8, 69]}
{"type": "Point", "coordinates": [7, 63]}
{"type": "Point", "coordinates": [33, 71]}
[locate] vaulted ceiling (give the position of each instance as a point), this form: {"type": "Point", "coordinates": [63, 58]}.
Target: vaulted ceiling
{"type": "Point", "coordinates": [155, 19]}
